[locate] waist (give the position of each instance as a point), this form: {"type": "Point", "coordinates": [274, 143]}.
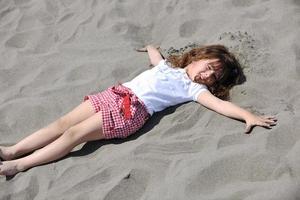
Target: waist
{"type": "Point", "coordinates": [124, 92]}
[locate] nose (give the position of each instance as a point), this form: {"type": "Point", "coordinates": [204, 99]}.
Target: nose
{"type": "Point", "coordinates": [208, 73]}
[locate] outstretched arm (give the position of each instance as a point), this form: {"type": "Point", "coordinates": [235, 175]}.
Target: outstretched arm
{"type": "Point", "coordinates": [231, 110]}
{"type": "Point", "coordinates": [153, 53]}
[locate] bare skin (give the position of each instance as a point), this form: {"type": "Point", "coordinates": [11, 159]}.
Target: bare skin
{"type": "Point", "coordinates": [6, 153]}
{"type": "Point", "coordinates": [207, 71]}
{"type": "Point", "coordinates": [82, 124]}
{"type": "Point", "coordinates": [53, 141]}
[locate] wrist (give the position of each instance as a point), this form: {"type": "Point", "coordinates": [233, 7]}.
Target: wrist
{"type": "Point", "coordinates": [248, 116]}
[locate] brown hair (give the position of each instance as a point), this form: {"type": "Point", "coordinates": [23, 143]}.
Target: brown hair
{"type": "Point", "coordinates": [232, 71]}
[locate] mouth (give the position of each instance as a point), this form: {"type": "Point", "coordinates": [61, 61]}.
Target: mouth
{"type": "Point", "coordinates": [206, 81]}
{"type": "Point", "coordinates": [198, 78]}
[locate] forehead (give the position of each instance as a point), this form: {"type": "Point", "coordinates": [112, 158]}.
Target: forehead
{"type": "Point", "coordinates": [216, 63]}
{"type": "Point", "coordinates": [213, 60]}
{"type": "Point", "coordinates": [217, 66]}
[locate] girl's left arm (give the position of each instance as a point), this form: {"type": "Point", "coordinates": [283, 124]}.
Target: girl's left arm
{"type": "Point", "coordinates": [233, 111]}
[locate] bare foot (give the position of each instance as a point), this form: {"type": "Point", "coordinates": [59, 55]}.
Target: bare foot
{"type": "Point", "coordinates": [6, 153]}
{"type": "Point", "coordinates": [9, 168]}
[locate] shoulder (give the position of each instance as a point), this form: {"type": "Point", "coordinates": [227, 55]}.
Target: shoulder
{"type": "Point", "coordinates": [163, 65]}
{"type": "Point", "coordinates": [196, 89]}
{"type": "Point", "coordinates": [162, 62]}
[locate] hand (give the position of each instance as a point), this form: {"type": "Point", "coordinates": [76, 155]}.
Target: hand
{"type": "Point", "coordinates": [144, 49]}
{"type": "Point", "coordinates": [264, 121]}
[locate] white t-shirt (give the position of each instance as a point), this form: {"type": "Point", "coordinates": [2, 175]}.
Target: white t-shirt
{"type": "Point", "coordinates": [164, 86]}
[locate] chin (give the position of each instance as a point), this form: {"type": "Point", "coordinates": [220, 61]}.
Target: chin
{"type": "Point", "coordinates": [200, 81]}
{"type": "Point", "coordinates": [203, 82]}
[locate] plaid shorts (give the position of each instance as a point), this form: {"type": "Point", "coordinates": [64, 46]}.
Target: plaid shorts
{"type": "Point", "coordinates": [111, 104]}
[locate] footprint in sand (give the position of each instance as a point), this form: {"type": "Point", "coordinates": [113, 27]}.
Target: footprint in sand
{"type": "Point", "coordinates": [134, 183]}
{"type": "Point", "coordinates": [233, 139]}
{"type": "Point", "coordinates": [91, 179]}
{"type": "Point", "coordinates": [188, 28]}
{"type": "Point", "coordinates": [171, 6]}
{"type": "Point", "coordinates": [297, 59]}
{"type": "Point", "coordinates": [244, 3]}
{"type": "Point", "coordinates": [135, 33]}
{"type": "Point", "coordinates": [29, 189]}
{"type": "Point", "coordinates": [19, 40]}
{"type": "Point", "coordinates": [65, 17]}
{"type": "Point", "coordinates": [280, 143]}
{"type": "Point", "coordinates": [246, 167]}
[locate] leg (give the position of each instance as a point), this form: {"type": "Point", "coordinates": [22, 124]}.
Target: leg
{"type": "Point", "coordinates": [88, 130]}
{"type": "Point", "coordinates": [49, 133]}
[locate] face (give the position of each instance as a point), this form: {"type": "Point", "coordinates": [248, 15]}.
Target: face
{"type": "Point", "coordinates": [205, 71]}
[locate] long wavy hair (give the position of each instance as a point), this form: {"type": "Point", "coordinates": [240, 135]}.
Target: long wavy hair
{"type": "Point", "coordinates": [232, 73]}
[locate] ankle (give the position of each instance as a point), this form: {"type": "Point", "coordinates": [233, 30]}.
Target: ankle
{"type": "Point", "coordinates": [20, 166]}
{"type": "Point", "coordinates": [8, 153]}
{"type": "Point", "coordinates": [12, 153]}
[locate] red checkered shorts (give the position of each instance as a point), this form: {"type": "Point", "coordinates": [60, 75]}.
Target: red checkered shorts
{"type": "Point", "coordinates": [110, 103]}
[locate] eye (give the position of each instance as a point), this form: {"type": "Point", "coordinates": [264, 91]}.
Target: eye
{"type": "Point", "coordinates": [209, 66]}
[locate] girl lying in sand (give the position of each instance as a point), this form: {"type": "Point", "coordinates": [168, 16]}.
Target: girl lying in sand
{"type": "Point", "coordinates": [203, 74]}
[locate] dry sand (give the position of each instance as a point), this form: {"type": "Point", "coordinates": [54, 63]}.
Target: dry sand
{"type": "Point", "coordinates": [53, 52]}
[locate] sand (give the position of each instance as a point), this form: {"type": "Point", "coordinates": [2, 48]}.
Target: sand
{"type": "Point", "coordinates": [53, 52]}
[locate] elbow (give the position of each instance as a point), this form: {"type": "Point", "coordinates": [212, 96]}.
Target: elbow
{"type": "Point", "coordinates": [156, 61]}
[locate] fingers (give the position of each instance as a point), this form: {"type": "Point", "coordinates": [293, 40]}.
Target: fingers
{"type": "Point", "coordinates": [248, 129]}
{"type": "Point", "coordinates": [273, 118]}
{"type": "Point", "coordinates": [267, 123]}
{"type": "Point", "coordinates": [141, 49]}
{"type": "Point", "coordinates": [269, 120]}
{"type": "Point", "coordinates": [144, 49]}
{"type": "Point", "coordinates": [263, 121]}
{"type": "Point", "coordinates": [264, 124]}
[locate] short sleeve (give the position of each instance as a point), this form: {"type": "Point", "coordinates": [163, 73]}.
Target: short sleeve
{"type": "Point", "coordinates": [161, 62]}
{"type": "Point", "coordinates": [164, 65]}
{"type": "Point", "coordinates": [196, 90]}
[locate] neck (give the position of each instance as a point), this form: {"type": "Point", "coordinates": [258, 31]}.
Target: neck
{"type": "Point", "coordinates": [187, 70]}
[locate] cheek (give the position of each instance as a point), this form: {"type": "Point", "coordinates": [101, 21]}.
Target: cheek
{"type": "Point", "coordinates": [197, 78]}
{"type": "Point", "coordinates": [209, 81]}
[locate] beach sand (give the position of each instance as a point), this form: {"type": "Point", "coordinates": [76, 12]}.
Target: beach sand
{"type": "Point", "coordinates": [54, 52]}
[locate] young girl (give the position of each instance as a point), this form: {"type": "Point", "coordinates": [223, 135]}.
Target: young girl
{"type": "Point", "coordinates": [202, 75]}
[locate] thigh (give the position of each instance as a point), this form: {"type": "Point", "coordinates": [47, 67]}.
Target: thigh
{"type": "Point", "coordinates": [89, 129]}
{"type": "Point", "coordinates": [78, 114]}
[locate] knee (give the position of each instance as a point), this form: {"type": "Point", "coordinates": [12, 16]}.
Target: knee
{"type": "Point", "coordinates": [71, 133]}
{"type": "Point", "coordinates": [63, 124]}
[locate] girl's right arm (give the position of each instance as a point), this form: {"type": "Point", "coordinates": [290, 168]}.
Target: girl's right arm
{"type": "Point", "coordinates": [153, 53]}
